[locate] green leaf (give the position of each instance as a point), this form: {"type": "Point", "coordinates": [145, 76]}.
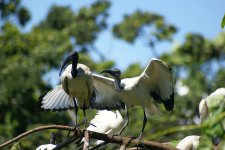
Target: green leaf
{"type": "Point", "coordinates": [16, 146]}
{"type": "Point", "coordinates": [223, 22]}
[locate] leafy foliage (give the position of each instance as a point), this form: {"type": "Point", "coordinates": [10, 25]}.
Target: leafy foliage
{"type": "Point", "coordinates": [82, 26]}
{"type": "Point", "coordinates": [13, 8]}
{"type": "Point", "coordinates": [215, 122]}
{"type": "Point", "coordinates": [27, 57]}
{"type": "Point", "coordinates": [136, 25]}
{"type": "Point", "coordinates": [223, 22]}
{"type": "Point", "coordinates": [16, 146]}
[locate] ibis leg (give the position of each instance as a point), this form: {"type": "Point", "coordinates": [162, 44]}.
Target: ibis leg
{"type": "Point", "coordinates": [85, 121]}
{"type": "Point", "coordinates": [76, 111]}
{"type": "Point", "coordinates": [126, 120]}
{"type": "Point", "coordinates": [142, 130]}
{"type": "Point", "coordinates": [143, 125]}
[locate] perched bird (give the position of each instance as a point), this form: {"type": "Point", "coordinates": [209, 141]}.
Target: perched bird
{"type": "Point", "coordinates": [49, 146]}
{"type": "Point", "coordinates": [155, 83]}
{"type": "Point", "coordinates": [209, 105]}
{"type": "Point", "coordinates": [107, 122]}
{"type": "Point", "coordinates": [79, 88]}
{"type": "Point", "coordinates": [189, 143]}
{"type": "Point", "coordinates": [84, 89]}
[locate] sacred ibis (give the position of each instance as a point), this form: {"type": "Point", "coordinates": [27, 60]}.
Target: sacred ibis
{"type": "Point", "coordinates": [154, 83]}
{"type": "Point", "coordinates": [84, 89]}
{"type": "Point", "coordinates": [107, 122]}
{"type": "Point", "coordinates": [81, 88]}
{"type": "Point", "coordinates": [209, 105]}
{"type": "Point", "coordinates": [49, 146]}
{"type": "Point", "coordinates": [188, 143]}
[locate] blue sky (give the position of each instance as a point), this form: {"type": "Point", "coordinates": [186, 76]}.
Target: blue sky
{"type": "Point", "coordinates": [192, 16]}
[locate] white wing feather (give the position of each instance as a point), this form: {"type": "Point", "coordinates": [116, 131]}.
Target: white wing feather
{"type": "Point", "coordinates": [56, 99]}
{"type": "Point", "coordinates": [106, 96]}
{"type": "Point", "coordinates": [46, 147]}
{"type": "Point", "coordinates": [157, 77]}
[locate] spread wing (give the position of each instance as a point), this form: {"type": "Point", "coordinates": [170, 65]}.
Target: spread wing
{"type": "Point", "coordinates": [55, 100]}
{"type": "Point", "coordinates": [157, 77]}
{"type": "Point", "coordinates": [105, 95]}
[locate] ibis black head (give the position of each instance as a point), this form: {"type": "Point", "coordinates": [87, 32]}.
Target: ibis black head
{"type": "Point", "coordinates": [74, 57]}
{"type": "Point", "coordinates": [115, 72]}
{"type": "Point", "coordinates": [53, 138]}
{"type": "Point", "coordinates": [216, 140]}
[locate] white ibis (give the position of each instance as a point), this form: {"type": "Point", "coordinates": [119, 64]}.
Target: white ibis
{"type": "Point", "coordinates": [80, 88]}
{"type": "Point", "coordinates": [154, 83]}
{"type": "Point", "coordinates": [107, 122]}
{"type": "Point", "coordinates": [189, 143]}
{"type": "Point", "coordinates": [209, 105]}
{"type": "Point", "coordinates": [83, 89]}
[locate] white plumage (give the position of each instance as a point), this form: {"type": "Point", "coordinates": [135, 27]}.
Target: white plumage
{"type": "Point", "coordinates": [89, 90]}
{"type": "Point", "coordinates": [189, 143]}
{"type": "Point", "coordinates": [214, 100]}
{"type": "Point", "coordinates": [99, 92]}
{"type": "Point", "coordinates": [46, 147]}
{"type": "Point", "coordinates": [107, 122]}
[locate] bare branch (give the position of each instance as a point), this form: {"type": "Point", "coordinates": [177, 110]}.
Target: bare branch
{"type": "Point", "coordinates": [93, 135]}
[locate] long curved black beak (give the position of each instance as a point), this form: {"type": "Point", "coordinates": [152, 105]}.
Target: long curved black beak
{"type": "Point", "coordinates": [111, 72]}
{"type": "Point", "coordinates": [74, 58]}
{"type": "Point", "coordinates": [115, 73]}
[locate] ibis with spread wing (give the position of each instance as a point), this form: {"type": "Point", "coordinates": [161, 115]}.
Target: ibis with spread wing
{"type": "Point", "coordinates": [80, 88]}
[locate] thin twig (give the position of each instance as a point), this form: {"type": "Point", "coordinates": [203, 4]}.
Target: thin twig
{"type": "Point", "coordinates": [65, 143]}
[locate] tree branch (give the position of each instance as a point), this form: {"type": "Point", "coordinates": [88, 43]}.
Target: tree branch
{"type": "Point", "coordinates": [93, 135]}
{"type": "Point", "coordinates": [36, 130]}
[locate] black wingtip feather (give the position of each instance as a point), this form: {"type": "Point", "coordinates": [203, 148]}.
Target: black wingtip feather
{"type": "Point", "coordinates": [169, 103]}
{"type": "Point", "coordinates": [39, 103]}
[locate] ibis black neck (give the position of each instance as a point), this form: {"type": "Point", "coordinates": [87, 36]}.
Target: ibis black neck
{"type": "Point", "coordinates": [53, 138]}
{"type": "Point", "coordinates": [74, 57]}
{"type": "Point", "coordinates": [74, 69]}
{"type": "Point", "coordinates": [116, 75]}
{"type": "Point", "coordinates": [118, 85]}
